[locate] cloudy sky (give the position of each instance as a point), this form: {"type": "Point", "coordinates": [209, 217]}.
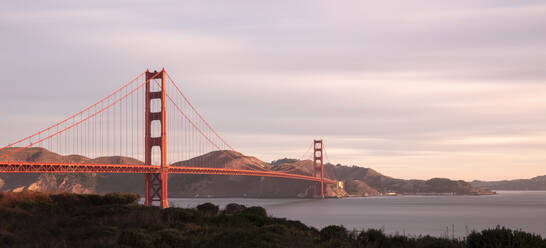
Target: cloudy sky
{"type": "Point", "coordinates": [413, 89]}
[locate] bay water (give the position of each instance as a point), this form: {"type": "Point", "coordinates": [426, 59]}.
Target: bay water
{"type": "Point", "coordinates": [442, 216]}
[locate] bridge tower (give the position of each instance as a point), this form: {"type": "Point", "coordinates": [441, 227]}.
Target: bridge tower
{"type": "Point", "coordinates": [318, 165]}
{"type": "Point", "coordinates": [156, 183]}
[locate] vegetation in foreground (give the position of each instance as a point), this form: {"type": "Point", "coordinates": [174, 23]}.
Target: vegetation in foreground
{"type": "Point", "coordinates": [117, 220]}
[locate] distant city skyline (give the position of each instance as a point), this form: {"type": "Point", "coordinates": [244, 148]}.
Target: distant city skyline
{"type": "Point", "coordinates": [416, 89]}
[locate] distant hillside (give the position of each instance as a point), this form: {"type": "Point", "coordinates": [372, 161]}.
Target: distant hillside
{"type": "Point", "coordinates": [358, 181]}
{"type": "Point", "coordinates": [535, 183]}
{"type": "Point", "coordinates": [179, 185]}
{"type": "Point", "coordinates": [75, 183]}
{"type": "Point", "coordinates": [238, 186]}
{"type": "Point", "coordinates": [226, 159]}
{"type": "Point", "coordinates": [366, 181]}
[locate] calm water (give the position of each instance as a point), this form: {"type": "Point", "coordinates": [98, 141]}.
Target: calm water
{"type": "Point", "coordinates": [410, 215]}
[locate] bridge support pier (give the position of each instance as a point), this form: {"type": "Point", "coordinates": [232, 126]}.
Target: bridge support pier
{"type": "Point", "coordinates": [318, 165]}
{"type": "Point", "coordinates": [156, 184]}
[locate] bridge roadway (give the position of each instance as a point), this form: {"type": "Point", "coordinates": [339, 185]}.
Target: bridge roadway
{"type": "Point", "coordinates": [38, 167]}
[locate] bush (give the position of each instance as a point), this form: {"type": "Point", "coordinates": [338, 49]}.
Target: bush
{"type": "Point", "coordinates": [71, 200]}
{"type": "Point", "coordinates": [434, 242]}
{"type": "Point", "coordinates": [503, 237]}
{"type": "Point", "coordinates": [173, 238]}
{"type": "Point", "coordinates": [234, 208]}
{"type": "Point", "coordinates": [175, 216]}
{"type": "Point", "coordinates": [333, 232]}
{"type": "Point", "coordinates": [35, 204]}
{"type": "Point", "coordinates": [208, 209]}
{"type": "Point", "coordinates": [295, 224]}
{"type": "Point", "coordinates": [107, 210]}
{"type": "Point", "coordinates": [84, 232]}
{"type": "Point", "coordinates": [255, 219]}
{"type": "Point", "coordinates": [67, 200]}
{"type": "Point", "coordinates": [256, 211]}
{"type": "Point", "coordinates": [247, 237]}
{"type": "Point", "coordinates": [372, 238]}
{"type": "Point", "coordinates": [275, 228]}
{"type": "Point", "coordinates": [27, 200]}
{"type": "Point", "coordinates": [120, 198]}
{"type": "Point", "coordinates": [136, 238]}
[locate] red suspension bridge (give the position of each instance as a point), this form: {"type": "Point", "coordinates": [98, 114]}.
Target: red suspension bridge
{"type": "Point", "coordinates": [132, 124]}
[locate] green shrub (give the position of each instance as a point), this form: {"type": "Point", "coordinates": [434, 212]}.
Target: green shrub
{"type": "Point", "coordinates": [121, 198]}
{"type": "Point", "coordinates": [256, 219]}
{"type": "Point", "coordinates": [107, 210]}
{"type": "Point", "coordinates": [208, 209]}
{"type": "Point", "coordinates": [136, 238]}
{"type": "Point", "coordinates": [434, 242]}
{"type": "Point", "coordinates": [234, 208]}
{"type": "Point", "coordinates": [173, 238]}
{"type": "Point", "coordinates": [174, 216]}
{"type": "Point", "coordinates": [92, 232]}
{"type": "Point", "coordinates": [35, 205]}
{"type": "Point", "coordinates": [247, 237]}
{"type": "Point", "coordinates": [399, 241]}
{"type": "Point", "coordinates": [503, 237]}
{"type": "Point", "coordinates": [91, 199]}
{"type": "Point", "coordinates": [256, 211]}
{"type": "Point", "coordinates": [95, 199]}
{"type": "Point", "coordinates": [333, 232]}
{"type": "Point", "coordinates": [106, 231]}
{"type": "Point", "coordinates": [372, 238]}
{"type": "Point", "coordinates": [275, 228]}
{"type": "Point", "coordinates": [67, 200]}
{"type": "Point", "coordinates": [295, 224]}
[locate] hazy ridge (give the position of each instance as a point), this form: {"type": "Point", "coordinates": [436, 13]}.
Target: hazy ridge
{"type": "Point", "coordinates": [535, 183]}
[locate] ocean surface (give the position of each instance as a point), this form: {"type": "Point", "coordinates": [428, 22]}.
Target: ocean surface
{"type": "Point", "coordinates": [410, 215]}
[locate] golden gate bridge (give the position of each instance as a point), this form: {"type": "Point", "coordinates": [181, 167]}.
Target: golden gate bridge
{"type": "Point", "coordinates": [153, 129]}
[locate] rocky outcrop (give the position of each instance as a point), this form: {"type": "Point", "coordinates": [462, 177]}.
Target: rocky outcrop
{"type": "Point", "coordinates": [58, 183]}
{"type": "Point", "coordinates": [332, 191]}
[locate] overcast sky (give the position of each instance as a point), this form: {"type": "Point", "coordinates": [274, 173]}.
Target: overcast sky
{"type": "Point", "coordinates": [413, 89]}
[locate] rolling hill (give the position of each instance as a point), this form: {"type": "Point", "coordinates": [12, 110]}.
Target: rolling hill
{"type": "Point", "coordinates": [535, 183]}
{"type": "Point", "coordinates": [358, 181]}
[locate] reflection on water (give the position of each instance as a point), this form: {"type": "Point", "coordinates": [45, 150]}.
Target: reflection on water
{"type": "Point", "coordinates": [525, 210]}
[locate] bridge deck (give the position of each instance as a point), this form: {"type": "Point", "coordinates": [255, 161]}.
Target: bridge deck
{"type": "Point", "coordinates": [37, 167]}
